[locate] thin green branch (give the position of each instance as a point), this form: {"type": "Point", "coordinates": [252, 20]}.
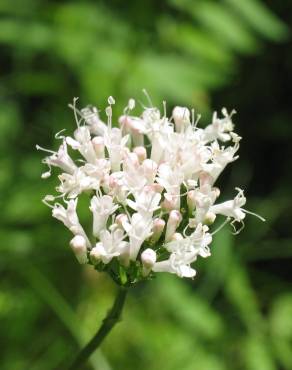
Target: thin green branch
{"type": "Point", "coordinates": [111, 319]}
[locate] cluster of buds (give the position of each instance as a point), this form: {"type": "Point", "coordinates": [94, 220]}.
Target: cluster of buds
{"type": "Point", "coordinates": [151, 186]}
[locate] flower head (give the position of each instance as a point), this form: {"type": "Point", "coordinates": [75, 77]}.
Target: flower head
{"type": "Point", "coordinates": [151, 188]}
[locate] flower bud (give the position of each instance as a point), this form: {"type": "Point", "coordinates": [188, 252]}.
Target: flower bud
{"type": "Point", "coordinates": [172, 224]}
{"type": "Point", "coordinates": [169, 203]}
{"type": "Point", "coordinates": [157, 229]}
{"type": "Point", "coordinates": [148, 258]}
{"type": "Point", "coordinates": [209, 218]}
{"type": "Point", "coordinates": [141, 153]}
{"type": "Point", "coordinates": [78, 245]}
{"type": "Point", "coordinates": [191, 201]}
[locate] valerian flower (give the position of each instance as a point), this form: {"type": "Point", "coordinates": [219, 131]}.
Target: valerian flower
{"type": "Point", "coordinates": [150, 180]}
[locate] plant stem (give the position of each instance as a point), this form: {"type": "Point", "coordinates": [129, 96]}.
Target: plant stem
{"type": "Point", "coordinates": [112, 318]}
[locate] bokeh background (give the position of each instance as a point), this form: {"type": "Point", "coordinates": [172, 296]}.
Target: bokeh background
{"type": "Point", "coordinates": [237, 313]}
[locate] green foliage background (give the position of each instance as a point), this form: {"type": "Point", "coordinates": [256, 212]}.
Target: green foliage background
{"type": "Point", "coordinates": [237, 314]}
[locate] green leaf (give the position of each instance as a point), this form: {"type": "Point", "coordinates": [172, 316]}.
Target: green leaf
{"type": "Point", "coordinates": [226, 27]}
{"type": "Point", "coordinates": [257, 353]}
{"type": "Point", "coordinates": [189, 308]}
{"type": "Point", "coordinates": [163, 75]}
{"type": "Point", "coordinates": [196, 42]}
{"type": "Point", "coordinates": [240, 293]}
{"type": "Point", "coordinates": [260, 18]}
{"type": "Point", "coordinates": [32, 35]}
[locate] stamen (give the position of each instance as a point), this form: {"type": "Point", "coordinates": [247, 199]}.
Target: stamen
{"type": "Point", "coordinates": [236, 232]}
{"type": "Point", "coordinates": [221, 226]}
{"type": "Point", "coordinates": [127, 212]}
{"type": "Point", "coordinates": [193, 117]}
{"type": "Point", "coordinates": [45, 175]}
{"type": "Point", "coordinates": [57, 135]}
{"type": "Point", "coordinates": [164, 108]}
{"type": "Point", "coordinates": [75, 110]}
{"type": "Point", "coordinates": [197, 120]}
{"type": "Point", "coordinates": [148, 97]}
{"type": "Point", "coordinates": [185, 230]}
{"type": "Point", "coordinates": [48, 198]}
{"type": "Point", "coordinates": [109, 112]}
{"type": "Point", "coordinates": [131, 104]}
{"type": "Point", "coordinates": [45, 150]}
{"type": "Point", "coordinates": [111, 100]}
{"type": "Point", "coordinates": [254, 214]}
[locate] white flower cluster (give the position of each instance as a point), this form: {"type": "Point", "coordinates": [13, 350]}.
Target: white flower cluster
{"type": "Point", "coordinates": [152, 190]}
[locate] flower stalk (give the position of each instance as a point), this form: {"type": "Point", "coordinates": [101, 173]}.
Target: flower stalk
{"type": "Point", "coordinates": [112, 318]}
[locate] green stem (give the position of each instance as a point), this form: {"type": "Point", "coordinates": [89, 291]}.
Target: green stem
{"type": "Point", "coordinates": [111, 319]}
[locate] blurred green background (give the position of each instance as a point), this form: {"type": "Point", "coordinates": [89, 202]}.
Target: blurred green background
{"type": "Point", "coordinates": [237, 313]}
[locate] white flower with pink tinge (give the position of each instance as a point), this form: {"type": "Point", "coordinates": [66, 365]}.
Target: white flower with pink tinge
{"type": "Point", "coordinates": [150, 185]}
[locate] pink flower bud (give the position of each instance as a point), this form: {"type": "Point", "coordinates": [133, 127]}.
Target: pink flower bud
{"type": "Point", "coordinates": [148, 258]}
{"type": "Point", "coordinates": [141, 153]}
{"type": "Point", "coordinates": [170, 202]}
{"type": "Point", "coordinates": [157, 229]}
{"type": "Point", "coordinates": [174, 220]}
